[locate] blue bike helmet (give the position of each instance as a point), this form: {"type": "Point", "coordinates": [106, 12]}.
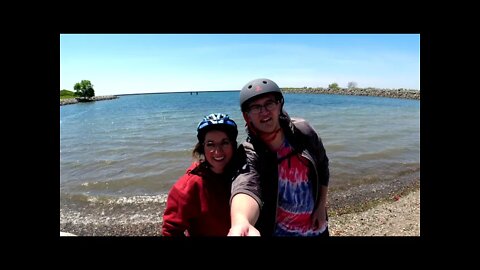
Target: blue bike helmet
{"type": "Point", "coordinates": [217, 121]}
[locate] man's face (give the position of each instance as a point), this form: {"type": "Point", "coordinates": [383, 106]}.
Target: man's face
{"type": "Point", "coordinates": [264, 113]}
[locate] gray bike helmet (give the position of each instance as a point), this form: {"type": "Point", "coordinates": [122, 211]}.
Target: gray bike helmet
{"type": "Point", "coordinates": [257, 88]}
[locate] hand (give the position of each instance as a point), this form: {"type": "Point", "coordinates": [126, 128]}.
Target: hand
{"type": "Point", "coordinates": [243, 230]}
{"type": "Point", "coordinates": [319, 219]}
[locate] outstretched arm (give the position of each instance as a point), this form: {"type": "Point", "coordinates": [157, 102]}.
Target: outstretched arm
{"type": "Point", "coordinates": [244, 213]}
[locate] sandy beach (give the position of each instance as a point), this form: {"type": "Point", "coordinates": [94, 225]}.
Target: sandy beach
{"type": "Point", "coordinates": [398, 217]}
{"type": "Point", "coordinates": [367, 210]}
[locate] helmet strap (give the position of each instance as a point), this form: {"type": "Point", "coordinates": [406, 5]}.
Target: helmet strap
{"type": "Point", "coordinates": [248, 124]}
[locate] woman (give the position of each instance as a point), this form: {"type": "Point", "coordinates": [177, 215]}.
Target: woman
{"type": "Point", "coordinates": [198, 203]}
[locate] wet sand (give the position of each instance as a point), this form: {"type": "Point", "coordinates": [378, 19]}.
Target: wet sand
{"type": "Point", "coordinates": [371, 209]}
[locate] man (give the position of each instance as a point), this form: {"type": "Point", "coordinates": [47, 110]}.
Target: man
{"type": "Point", "coordinates": [281, 187]}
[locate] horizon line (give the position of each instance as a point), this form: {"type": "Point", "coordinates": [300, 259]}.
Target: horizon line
{"type": "Point", "coordinates": [175, 92]}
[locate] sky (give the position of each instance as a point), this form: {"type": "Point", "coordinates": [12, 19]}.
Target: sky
{"type": "Point", "coordinates": [150, 63]}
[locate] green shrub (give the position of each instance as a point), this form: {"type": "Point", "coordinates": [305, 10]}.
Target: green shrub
{"type": "Point", "coordinates": [67, 94]}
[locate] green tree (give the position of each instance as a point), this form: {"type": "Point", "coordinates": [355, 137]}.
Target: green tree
{"type": "Point", "coordinates": [333, 86]}
{"type": "Point", "coordinates": [84, 89]}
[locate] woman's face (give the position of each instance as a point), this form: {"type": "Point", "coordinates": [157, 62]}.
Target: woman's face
{"type": "Point", "coordinates": [218, 150]}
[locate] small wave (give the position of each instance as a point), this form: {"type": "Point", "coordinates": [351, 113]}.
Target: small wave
{"type": "Point", "coordinates": [382, 154]}
{"type": "Point", "coordinates": [111, 210]}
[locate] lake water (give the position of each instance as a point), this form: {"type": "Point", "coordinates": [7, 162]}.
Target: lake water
{"type": "Point", "coordinates": [135, 147]}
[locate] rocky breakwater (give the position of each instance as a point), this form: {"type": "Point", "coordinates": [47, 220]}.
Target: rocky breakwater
{"type": "Point", "coordinates": [390, 93]}
{"type": "Point", "coordinates": [67, 101]}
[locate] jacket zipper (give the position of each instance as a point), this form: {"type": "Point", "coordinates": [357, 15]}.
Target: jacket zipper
{"type": "Point", "coordinates": [306, 155]}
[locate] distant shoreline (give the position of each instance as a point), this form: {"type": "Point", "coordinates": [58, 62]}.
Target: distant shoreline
{"type": "Point", "coordinates": [377, 92]}
{"type": "Point", "coordinates": [67, 101]}
{"type": "Point", "coordinates": [393, 93]}
{"type": "Point", "coordinates": [178, 92]}
{"type": "Point", "coordinates": [374, 92]}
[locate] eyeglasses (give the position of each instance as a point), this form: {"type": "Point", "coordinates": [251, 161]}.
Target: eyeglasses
{"type": "Point", "coordinates": [269, 105]}
{"type": "Point", "coordinates": [211, 147]}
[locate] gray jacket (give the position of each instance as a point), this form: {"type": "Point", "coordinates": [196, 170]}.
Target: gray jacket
{"type": "Point", "coordinates": [257, 175]}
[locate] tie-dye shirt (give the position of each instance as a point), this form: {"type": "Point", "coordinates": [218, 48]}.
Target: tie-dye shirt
{"type": "Point", "coordinates": [295, 198]}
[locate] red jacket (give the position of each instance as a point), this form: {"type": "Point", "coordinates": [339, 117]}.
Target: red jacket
{"type": "Point", "coordinates": [198, 205]}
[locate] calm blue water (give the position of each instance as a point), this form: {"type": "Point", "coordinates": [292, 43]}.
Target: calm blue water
{"type": "Point", "coordinates": [139, 145]}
